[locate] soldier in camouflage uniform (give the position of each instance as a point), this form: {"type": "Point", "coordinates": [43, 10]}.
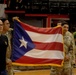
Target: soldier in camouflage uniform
{"type": "Point", "coordinates": [8, 32]}
{"type": "Point", "coordinates": [66, 69]}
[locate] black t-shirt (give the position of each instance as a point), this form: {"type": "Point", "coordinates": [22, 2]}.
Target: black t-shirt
{"type": "Point", "coordinates": [3, 49]}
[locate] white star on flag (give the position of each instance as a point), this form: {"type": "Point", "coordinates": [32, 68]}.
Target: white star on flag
{"type": "Point", "coordinates": [23, 42]}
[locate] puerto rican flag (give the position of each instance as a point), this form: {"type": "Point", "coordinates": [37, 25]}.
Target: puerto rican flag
{"type": "Point", "coordinates": [37, 46]}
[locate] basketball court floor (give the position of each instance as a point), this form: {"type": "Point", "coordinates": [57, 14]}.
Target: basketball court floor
{"type": "Point", "coordinates": [38, 72]}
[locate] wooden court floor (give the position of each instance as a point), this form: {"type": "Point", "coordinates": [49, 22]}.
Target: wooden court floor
{"type": "Point", "coordinates": [38, 72]}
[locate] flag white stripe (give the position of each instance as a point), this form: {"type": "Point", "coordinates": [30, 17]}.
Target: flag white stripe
{"type": "Point", "coordinates": [45, 54]}
{"type": "Point", "coordinates": [45, 38]}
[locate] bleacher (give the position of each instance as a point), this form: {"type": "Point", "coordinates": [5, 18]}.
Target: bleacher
{"type": "Point", "coordinates": [43, 6]}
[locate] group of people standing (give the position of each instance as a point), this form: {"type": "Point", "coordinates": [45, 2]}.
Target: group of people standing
{"type": "Point", "coordinates": [6, 49]}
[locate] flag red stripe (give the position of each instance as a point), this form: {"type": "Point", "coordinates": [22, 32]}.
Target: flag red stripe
{"type": "Point", "coordinates": [29, 60]}
{"type": "Point", "coordinates": [49, 46]}
{"type": "Point", "coordinates": [43, 40]}
{"type": "Point", "coordinates": [42, 30]}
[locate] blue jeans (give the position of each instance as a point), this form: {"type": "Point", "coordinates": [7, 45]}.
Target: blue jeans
{"type": "Point", "coordinates": [3, 72]}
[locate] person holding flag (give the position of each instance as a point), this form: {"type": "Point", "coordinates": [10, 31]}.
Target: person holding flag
{"type": "Point", "coordinates": [68, 40]}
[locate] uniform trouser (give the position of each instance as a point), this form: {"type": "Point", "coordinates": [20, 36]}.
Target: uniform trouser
{"type": "Point", "coordinates": [66, 69]}
{"type": "Point", "coordinates": [9, 70]}
{"type": "Point", "coordinates": [61, 71]}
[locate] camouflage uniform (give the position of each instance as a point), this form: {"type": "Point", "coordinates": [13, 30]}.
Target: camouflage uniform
{"type": "Point", "coordinates": [66, 69]}
{"type": "Point", "coordinates": [8, 54]}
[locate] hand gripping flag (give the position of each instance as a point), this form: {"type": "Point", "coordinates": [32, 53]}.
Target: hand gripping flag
{"type": "Point", "coordinates": [37, 46]}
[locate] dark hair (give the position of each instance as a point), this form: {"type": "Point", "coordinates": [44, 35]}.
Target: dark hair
{"type": "Point", "coordinates": [4, 19]}
{"type": "Point", "coordinates": [60, 21]}
{"type": "Point", "coordinates": [64, 23]}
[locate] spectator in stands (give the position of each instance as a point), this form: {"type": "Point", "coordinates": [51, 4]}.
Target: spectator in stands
{"type": "Point", "coordinates": [15, 4]}
{"type": "Point", "coordinates": [66, 69]}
